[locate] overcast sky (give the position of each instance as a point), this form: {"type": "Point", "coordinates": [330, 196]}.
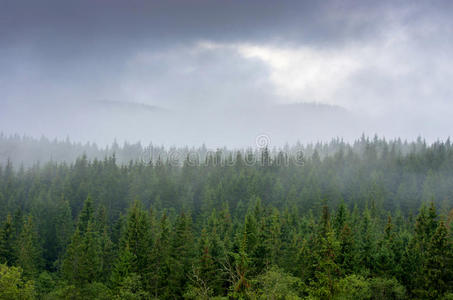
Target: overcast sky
{"type": "Point", "coordinates": [223, 72]}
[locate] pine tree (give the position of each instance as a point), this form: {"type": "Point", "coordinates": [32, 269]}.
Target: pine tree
{"type": "Point", "coordinates": [347, 253]}
{"type": "Point", "coordinates": [436, 272]}
{"type": "Point", "coordinates": [123, 266]}
{"type": "Point", "coordinates": [28, 249]}
{"type": "Point", "coordinates": [367, 242]}
{"type": "Point", "coordinates": [182, 254]}
{"type": "Point", "coordinates": [160, 261]}
{"type": "Point", "coordinates": [90, 260]}
{"type": "Point", "coordinates": [385, 256]}
{"type": "Point", "coordinates": [340, 218]}
{"type": "Point", "coordinates": [239, 271]}
{"type": "Point", "coordinates": [136, 238]}
{"type": "Point", "coordinates": [202, 277]}
{"type": "Point", "coordinates": [85, 216]}
{"type": "Point", "coordinates": [63, 226]}
{"type": "Point", "coordinates": [212, 250]}
{"type": "Point", "coordinates": [107, 255]}
{"type": "Point", "coordinates": [7, 242]}
{"type": "Point", "coordinates": [70, 263]}
{"type": "Point", "coordinates": [326, 253]}
{"type": "Point", "coordinates": [82, 262]}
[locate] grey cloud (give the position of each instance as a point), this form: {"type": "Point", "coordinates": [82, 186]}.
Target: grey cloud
{"type": "Point", "coordinates": [190, 77]}
{"type": "Point", "coordinates": [58, 59]}
{"type": "Point", "coordinates": [95, 25]}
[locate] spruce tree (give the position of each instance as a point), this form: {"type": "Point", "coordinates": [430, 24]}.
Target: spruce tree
{"type": "Point", "coordinates": [161, 261]}
{"type": "Point", "coordinates": [182, 254]}
{"type": "Point", "coordinates": [136, 238]}
{"type": "Point", "coordinates": [82, 262]}
{"type": "Point", "coordinates": [437, 274]}
{"type": "Point", "coordinates": [63, 226]}
{"type": "Point", "coordinates": [7, 242]}
{"type": "Point", "coordinates": [28, 249]}
{"type": "Point", "coordinates": [85, 216]}
{"type": "Point", "coordinates": [123, 266]}
{"type": "Point", "coordinates": [326, 252]}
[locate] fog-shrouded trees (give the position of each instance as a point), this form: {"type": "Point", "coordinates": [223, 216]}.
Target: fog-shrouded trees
{"type": "Point", "coordinates": [369, 220]}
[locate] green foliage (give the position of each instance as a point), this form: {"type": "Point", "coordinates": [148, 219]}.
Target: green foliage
{"type": "Point", "coordinates": [276, 284]}
{"type": "Point", "coordinates": [100, 229]}
{"type": "Point", "coordinates": [358, 287]}
{"type": "Point", "coordinates": [353, 287]}
{"type": "Point", "coordinates": [123, 266]}
{"type": "Point", "coordinates": [7, 242]}
{"type": "Point", "coordinates": [82, 263]}
{"type": "Point", "coordinates": [436, 268]}
{"type": "Point", "coordinates": [94, 290]}
{"type": "Point", "coordinates": [28, 249]}
{"type": "Point", "coordinates": [63, 225]}
{"type": "Point", "coordinates": [182, 254]}
{"type": "Point", "coordinates": [325, 252]}
{"type": "Point", "coordinates": [45, 283]}
{"type": "Point", "coordinates": [130, 288]}
{"type": "Point", "coordinates": [13, 285]}
{"type": "Point", "coordinates": [386, 288]}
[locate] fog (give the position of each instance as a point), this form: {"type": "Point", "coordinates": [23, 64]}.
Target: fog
{"type": "Point", "coordinates": [224, 72]}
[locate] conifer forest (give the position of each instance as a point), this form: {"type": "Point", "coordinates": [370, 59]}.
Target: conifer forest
{"type": "Point", "coordinates": [368, 220]}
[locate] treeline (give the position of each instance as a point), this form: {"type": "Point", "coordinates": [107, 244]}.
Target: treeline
{"type": "Point", "coordinates": [27, 151]}
{"type": "Point", "coordinates": [368, 222]}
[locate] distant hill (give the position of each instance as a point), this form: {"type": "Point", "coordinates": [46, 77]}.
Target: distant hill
{"type": "Point", "coordinates": [126, 105]}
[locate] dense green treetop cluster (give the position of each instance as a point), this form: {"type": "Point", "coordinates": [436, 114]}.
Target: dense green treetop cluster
{"type": "Point", "coordinates": [369, 220]}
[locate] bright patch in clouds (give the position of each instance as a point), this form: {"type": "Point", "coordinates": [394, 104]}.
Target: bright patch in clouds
{"type": "Point", "coordinates": [333, 76]}
{"type": "Point", "coordinates": [304, 74]}
{"type": "Point", "coordinates": [375, 77]}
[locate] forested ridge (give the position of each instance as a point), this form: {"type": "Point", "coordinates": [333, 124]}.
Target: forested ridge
{"type": "Point", "coordinates": [367, 220]}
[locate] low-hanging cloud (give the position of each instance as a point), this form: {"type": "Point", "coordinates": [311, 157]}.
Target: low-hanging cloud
{"type": "Point", "coordinates": [386, 65]}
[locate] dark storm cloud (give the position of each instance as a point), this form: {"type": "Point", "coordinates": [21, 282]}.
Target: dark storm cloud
{"type": "Point", "coordinates": [63, 34]}
{"type": "Point", "coordinates": [94, 24]}
{"type": "Point", "coordinates": [152, 19]}
{"type": "Point", "coordinates": [64, 39]}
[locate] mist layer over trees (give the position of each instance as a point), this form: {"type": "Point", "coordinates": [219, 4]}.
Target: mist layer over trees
{"type": "Point", "coordinates": [26, 151]}
{"type": "Point", "coordinates": [368, 220]}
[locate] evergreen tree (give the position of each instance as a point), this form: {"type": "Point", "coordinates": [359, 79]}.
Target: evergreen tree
{"type": "Point", "coordinates": [63, 226]}
{"type": "Point", "coordinates": [86, 215]}
{"type": "Point", "coordinates": [437, 274]}
{"type": "Point", "coordinates": [385, 256]}
{"type": "Point", "coordinates": [181, 256]}
{"type": "Point", "coordinates": [123, 266]}
{"type": "Point", "coordinates": [82, 262]}
{"type": "Point", "coordinates": [161, 261]}
{"type": "Point", "coordinates": [326, 252]}
{"type": "Point", "coordinates": [7, 241]}
{"type": "Point", "coordinates": [28, 249]}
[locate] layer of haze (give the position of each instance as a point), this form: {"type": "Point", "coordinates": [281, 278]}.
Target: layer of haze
{"type": "Point", "coordinates": [221, 72]}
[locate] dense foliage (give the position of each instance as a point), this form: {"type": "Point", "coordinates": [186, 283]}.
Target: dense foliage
{"type": "Point", "coordinates": [371, 220]}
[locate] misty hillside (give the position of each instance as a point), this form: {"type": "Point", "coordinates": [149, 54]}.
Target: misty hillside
{"type": "Point", "coordinates": [104, 121]}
